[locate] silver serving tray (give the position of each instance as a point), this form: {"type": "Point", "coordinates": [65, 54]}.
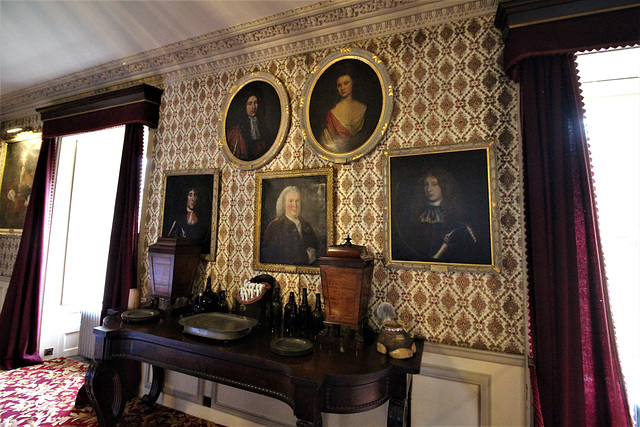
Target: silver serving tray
{"type": "Point", "coordinates": [219, 326]}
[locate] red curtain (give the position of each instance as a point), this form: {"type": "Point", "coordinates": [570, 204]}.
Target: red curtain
{"type": "Point", "coordinates": [123, 255]}
{"type": "Point", "coordinates": [20, 317]}
{"type": "Point", "coordinates": [578, 374]}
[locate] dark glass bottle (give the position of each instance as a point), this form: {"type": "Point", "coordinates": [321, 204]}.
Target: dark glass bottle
{"type": "Point", "coordinates": [209, 298]}
{"type": "Point", "coordinates": [223, 306]}
{"type": "Point", "coordinates": [199, 307]}
{"type": "Point", "coordinates": [291, 313]}
{"type": "Point", "coordinates": [317, 316]}
{"type": "Point", "coordinates": [304, 312]}
{"type": "Point", "coordinates": [276, 309]}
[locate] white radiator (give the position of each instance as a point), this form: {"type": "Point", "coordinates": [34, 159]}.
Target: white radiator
{"type": "Point", "coordinates": [89, 319]}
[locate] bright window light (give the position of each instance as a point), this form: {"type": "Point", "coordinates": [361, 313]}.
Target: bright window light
{"type": "Point", "coordinates": [610, 83]}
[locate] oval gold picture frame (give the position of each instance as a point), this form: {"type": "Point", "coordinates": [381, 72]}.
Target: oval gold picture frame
{"type": "Point", "coordinates": [250, 146]}
{"type": "Point", "coordinates": [342, 125]}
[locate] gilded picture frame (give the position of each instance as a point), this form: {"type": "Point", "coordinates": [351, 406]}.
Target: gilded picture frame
{"type": "Point", "coordinates": [179, 187]}
{"type": "Point", "coordinates": [293, 219]}
{"type": "Point", "coordinates": [441, 210]}
{"type": "Point", "coordinates": [346, 105]}
{"type": "Point", "coordinates": [19, 159]}
{"type": "Point", "coordinates": [254, 121]}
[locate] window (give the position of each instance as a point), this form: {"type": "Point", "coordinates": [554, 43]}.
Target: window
{"type": "Point", "coordinates": [86, 182]}
{"type": "Point", "coordinates": [93, 186]}
{"type": "Point", "coordinates": [610, 83]}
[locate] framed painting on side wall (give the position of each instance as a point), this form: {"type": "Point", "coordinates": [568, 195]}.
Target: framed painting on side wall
{"type": "Point", "coordinates": [190, 207]}
{"type": "Point", "coordinates": [441, 212]}
{"type": "Point", "coordinates": [18, 167]}
{"type": "Point", "coordinates": [254, 121]}
{"type": "Point", "coordinates": [294, 219]}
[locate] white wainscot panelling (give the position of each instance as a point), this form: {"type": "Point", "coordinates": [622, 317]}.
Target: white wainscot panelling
{"type": "Point", "coordinates": [176, 386]}
{"type": "Point", "coordinates": [262, 410]}
{"type": "Point", "coordinates": [464, 387]}
{"type": "Point", "coordinates": [266, 411]}
{"type": "Point", "coordinates": [193, 396]}
{"type": "Point", "coordinates": [231, 406]}
{"type": "Point", "coordinates": [4, 285]}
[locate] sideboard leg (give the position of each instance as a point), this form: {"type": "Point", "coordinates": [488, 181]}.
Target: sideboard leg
{"type": "Point", "coordinates": [104, 386]}
{"type": "Point", "coordinates": [399, 414]}
{"type": "Point", "coordinates": [149, 399]}
{"type": "Point", "coordinates": [308, 406]}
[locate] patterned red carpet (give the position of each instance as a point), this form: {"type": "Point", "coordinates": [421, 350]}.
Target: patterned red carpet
{"type": "Point", "coordinates": [44, 395]}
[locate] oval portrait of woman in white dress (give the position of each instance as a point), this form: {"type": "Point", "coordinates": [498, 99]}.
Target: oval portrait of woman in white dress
{"type": "Point", "coordinates": [346, 105]}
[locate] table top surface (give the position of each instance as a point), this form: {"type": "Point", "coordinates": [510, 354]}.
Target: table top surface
{"type": "Point", "coordinates": [326, 359]}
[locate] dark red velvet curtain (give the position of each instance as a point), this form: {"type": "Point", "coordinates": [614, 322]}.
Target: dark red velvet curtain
{"type": "Point", "coordinates": [20, 317]}
{"type": "Point", "coordinates": [574, 351]}
{"type": "Point", "coordinates": [123, 255]}
{"type": "Point", "coordinates": [575, 368]}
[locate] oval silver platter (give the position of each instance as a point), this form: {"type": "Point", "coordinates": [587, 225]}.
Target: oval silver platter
{"type": "Point", "coordinates": [219, 326]}
{"type": "Point", "coordinates": [140, 315]}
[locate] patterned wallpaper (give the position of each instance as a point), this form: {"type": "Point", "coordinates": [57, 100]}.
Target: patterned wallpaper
{"type": "Point", "coordinates": [449, 89]}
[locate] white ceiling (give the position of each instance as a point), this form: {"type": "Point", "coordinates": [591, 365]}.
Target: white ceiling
{"type": "Point", "coordinates": [44, 40]}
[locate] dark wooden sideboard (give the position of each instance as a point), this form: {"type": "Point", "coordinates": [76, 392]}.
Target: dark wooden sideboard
{"type": "Point", "coordinates": [331, 379]}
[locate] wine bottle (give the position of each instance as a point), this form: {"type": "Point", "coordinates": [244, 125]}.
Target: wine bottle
{"type": "Point", "coordinates": [317, 316]}
{"type": "Point", "coordinates": [199, 306]}
{"type": "Point", "coordinates": [223, 306]}
{"type": "Point", "coordinates": [209, 298]}
{"type": "Point", "coordinates": [291, 313]}
{"type": "Point", "coordinates": [304, 312]}
{"type": "Point", "coordinates": [276, 309]}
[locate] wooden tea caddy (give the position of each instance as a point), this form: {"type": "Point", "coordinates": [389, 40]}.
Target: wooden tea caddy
{"type": "Point", "coordinates": [172, 265]}
{"type": "Point", "coordinates": [346, 271]}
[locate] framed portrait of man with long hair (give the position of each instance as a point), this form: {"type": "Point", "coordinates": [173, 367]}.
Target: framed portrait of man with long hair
{"type": "Point", "coordinates": [254, 121]}
{"type": "Point", "coordinates": [441, 208]}
{"type": "Point", "coordinates": [190, 207]}
{"type": "Point", "coordinates": [294, 219]}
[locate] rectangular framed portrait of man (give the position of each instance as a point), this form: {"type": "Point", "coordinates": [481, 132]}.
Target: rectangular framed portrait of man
{"type": "Point", "coordinates": [293, 219]}
{"type": "Point", "coordinates": [441, 212]}
{"type": "Point", "coordinates": [19, 159]}
{"type": "Point", "coordinates": [190, 207]}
